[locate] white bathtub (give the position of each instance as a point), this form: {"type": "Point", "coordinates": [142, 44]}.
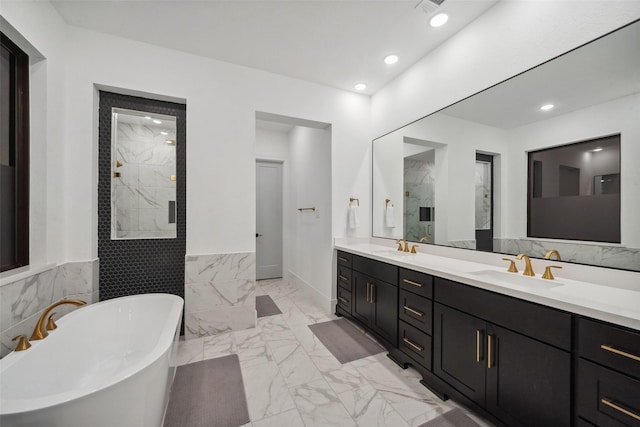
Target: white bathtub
{"type": "Point", "coordinates": [107, 364]}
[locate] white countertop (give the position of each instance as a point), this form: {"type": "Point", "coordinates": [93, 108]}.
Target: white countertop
{"type": "Point", "coordinates": [611, 304]}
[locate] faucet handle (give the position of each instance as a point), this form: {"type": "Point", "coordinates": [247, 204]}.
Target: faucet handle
{"type": "Point", "coordinates": [23, 342]}
{"type": "Point", "coordinates": [547, 272]}
{"type": "Point", "coordinates": [512, 265]}
{"type": "Point", "coordinates": [413, 249]}
{"type": "Point", "coordinates": [399, 242]}
{"type": "Point", "coordinates": [51, 325]}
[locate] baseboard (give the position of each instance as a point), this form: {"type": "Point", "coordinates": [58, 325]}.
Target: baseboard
{"type": "Point", "coordinates": [326, 304]}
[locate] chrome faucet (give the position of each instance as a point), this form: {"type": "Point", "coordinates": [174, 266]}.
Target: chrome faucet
{"type": "Point", "coordinates": [38, 332]}
{"type": "Point", "coordinates": [551, 253]}
{"type": "Point", "coordinates": [528, 269]}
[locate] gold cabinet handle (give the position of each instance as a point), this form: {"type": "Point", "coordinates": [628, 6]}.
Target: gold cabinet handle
{"type": "Point", "coordinates": [478, 338]}
{"type": "Point", "coordinates": [411, 310]}
{"type": "Point", "coordinates": [620, 352]}
{"type": "Point", "coordinates": [412, 344]}
{"type": "Point", "coordinates": [611, 404]}
{"type": "Point", "coordinates": [343, 278]}
{"type": "Point", "coordinates": [343, 259]}
{"type": "Point", "coordinates": [343, 300]}
{"type": "Point", "coordinates": [373, 293]}
{"type": "Point", "coordinates": [489, 362]}
{"type": "Point", "coordinates": [411, 282]}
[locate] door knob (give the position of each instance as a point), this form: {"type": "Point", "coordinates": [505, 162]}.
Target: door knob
{"type": "Point", "coordinates": [258, 235]}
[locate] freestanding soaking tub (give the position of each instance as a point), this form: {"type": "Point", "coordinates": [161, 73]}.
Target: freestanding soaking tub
{"type": "Point", "coordinates": [107, 365]}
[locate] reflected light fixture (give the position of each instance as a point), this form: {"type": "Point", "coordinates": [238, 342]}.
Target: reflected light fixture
{"type": "Point", "coordinates": [360, 86]}
{"type": "Point", "coordinates": [164, 133]}
{"type": "Point", "coordinates": [547, 107]}
{"type": "Point", "coordinates": [595, 150]}
{"type": "Point", "coordinates": [156, 121]}
{"type": "Point", "coordinates": [439, 20]}
{"type": "Point", "coordinates": [147, 117]}
{"type": "Point", "coordinates": [390, 59]}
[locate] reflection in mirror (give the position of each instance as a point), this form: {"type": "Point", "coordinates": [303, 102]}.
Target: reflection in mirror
{"type": "Point", "coordinates": [143, 185]}
{"type": "Point", "coordinates": [595, 90]}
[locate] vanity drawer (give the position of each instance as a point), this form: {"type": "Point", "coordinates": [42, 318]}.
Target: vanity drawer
{"type": "Point", "coordinates": [380, 270]}
{"type": "Point", "coordinates": [610, 345]}
{"type": "Point", "coordinates": [415, 344]}
{"type": "Point", "coordinates": [419, 283]}
{"type": "Point", "coordinates": [416, 310]}
{"type": "Point", "coordinates": [607, 398]}
{"type": "Point", "coordinates": [344, 277]}
{"type": "Point", "coordinates": [345, 259]}
{"type": "Point", "coordinates": [536, 321]}
{"type": "Point", "coordinates": [344, 299]}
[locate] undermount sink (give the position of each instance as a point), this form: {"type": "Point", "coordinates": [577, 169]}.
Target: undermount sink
{"type": "Point", "coordinates": [392, 253]}
{"type": "Point", "coordinates": [516, 279]}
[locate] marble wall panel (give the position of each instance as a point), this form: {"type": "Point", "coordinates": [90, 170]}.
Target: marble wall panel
{"type": "Point", "coordinates": [219, 293]}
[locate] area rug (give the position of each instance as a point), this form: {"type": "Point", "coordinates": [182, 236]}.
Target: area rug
{"type": "Point", "coordinates": [454, 418]}
{"type": "Point", "coordinates": [266, 307]}
{"type": "Point", "coordinates": [208, 394]}
{"type": "Point", "coordinates": [346, 342]}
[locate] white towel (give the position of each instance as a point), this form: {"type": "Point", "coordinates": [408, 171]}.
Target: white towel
{"type": "Point", "coordinates": [389, 219]}
{"type": "Point", "coordinates": [352, 219]}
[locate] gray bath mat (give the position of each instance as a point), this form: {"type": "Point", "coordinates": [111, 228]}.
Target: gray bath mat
{"type": "Point", "coordinates": [453, 418]}
{"type": "Point", "coordinates": [266, 307]}
{"type": "Point", "coordinates": [208, 394]}
{"type": "Point", "coordinates": [346, 342]}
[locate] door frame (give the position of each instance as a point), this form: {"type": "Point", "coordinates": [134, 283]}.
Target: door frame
{"type": "Point", "coordinates": [280, 162]}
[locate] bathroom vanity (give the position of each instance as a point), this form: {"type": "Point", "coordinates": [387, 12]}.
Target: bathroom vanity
{"type": "Point", "coordinates": [523, 351]}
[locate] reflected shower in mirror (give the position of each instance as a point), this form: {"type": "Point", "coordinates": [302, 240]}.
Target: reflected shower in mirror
{"type": "Point", "coordinates": [143, 178]}
{"type": "Point", "coordinates": [587, 94]}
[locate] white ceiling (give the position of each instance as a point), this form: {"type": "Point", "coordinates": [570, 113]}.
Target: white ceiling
{"type": "Point", "coordinates": [332, 42]}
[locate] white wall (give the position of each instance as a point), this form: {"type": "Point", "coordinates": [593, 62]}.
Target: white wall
{"type": "Point", "coordinates": [509, 38]}
{"type": "Point", "coordinates": [310, 251]}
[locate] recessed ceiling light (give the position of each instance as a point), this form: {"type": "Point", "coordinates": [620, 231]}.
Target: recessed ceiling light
{"type": "Point", "coordinates": [164, 133]}
{"type": "Point", "coordinates": [547, 107]}
{"type": "Point", "coordinates": [170, 141]}
{"type": "Point", "coordinates": [156, 121]}
{"type": "Point", "coordinates": [360, 86]}
{"type": "Point", "coordinates": [391, 59]}
{"type": "Point", "coordinates": [147, 117]}
{"type": "Point", "coordinates": [439, 20]}
{"type": "Point", "coordinates": [595, 150]}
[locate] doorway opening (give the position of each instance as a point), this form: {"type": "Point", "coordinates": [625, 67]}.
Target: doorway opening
{"type": "Point", "coordinates": [484, 202]}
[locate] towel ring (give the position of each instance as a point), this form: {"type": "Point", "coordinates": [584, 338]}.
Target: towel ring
{"type": "Point", "coordinates": [353, 199]}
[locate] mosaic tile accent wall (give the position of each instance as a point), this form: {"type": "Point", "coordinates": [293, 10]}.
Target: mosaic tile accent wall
{"type": "Point", "coordinates": [138, 266]}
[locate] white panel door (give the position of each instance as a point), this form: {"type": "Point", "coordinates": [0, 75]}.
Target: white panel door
{"type": "Point", "coordinates": [268, 220]}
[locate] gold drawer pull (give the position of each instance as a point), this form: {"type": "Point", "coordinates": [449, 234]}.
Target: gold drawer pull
{"type": "Point", "coordinates": [489, 363]}
{"type": "Point", "coordinates": [620, 352]}
{"type": "Point", "coordinates": [343, 259]}
{"type": "Point", "coordinates": [343, 300]}
{"type": "Point", "coordinates": [344, 279]}
{"type": "Point", "coordinates": [411, 282]}
{"type": "Point", "coordinates": [411, 310]}
{"type": "Point", "coordinates": [478, 338]}
{"type": "Point", "coordinates": [412, 344]}
{"type": "Point", "coordinates": [610, 404]}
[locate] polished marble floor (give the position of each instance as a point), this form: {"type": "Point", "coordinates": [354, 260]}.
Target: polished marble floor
{"type": "Point", "coordinates": [292, 380]}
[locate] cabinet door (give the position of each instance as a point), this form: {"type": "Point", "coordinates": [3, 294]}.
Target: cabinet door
{"type": "Point", "coordinates": [459, 351]}
{"type": "Point", "coordinates": [361, 307]}
{"type": "Point", "coordinates": [528, 382]}
{"type": "Point", "coordinates": [384, 319]}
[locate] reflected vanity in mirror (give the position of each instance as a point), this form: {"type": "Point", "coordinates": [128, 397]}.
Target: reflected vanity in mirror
{"type": "Point", "coordinates": [461, 177]}
{"type": "Point", "coordinates": [143, 185]}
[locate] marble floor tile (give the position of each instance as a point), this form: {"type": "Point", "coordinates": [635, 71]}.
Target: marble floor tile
{"type": "Point", "coordinates": [266, 391]}
{"type": "Point", "coordinates": [219, 345]}
{"type": "Point", "coordinates": [189, 351]}
{"type": "Point", "coordinates": [295, 365]}
{"type": "Point", "coordinates": [319, 406]}
{"type": "Point", "coordinates": [286, 419]}
{"type": "Point", "coordinates": [369, 409]}
{"type": "Point", "coordinates": [345, 378]}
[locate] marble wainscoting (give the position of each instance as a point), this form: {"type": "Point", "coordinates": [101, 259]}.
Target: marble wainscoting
{"type": "Point", "coordinates": [594, 254]}
{"type": "Point", "coordinates": [23, 301]}
{"type": "Point", "coordinates": [463, 244]}
{"type": "Point", "coordinates": [220, 292]}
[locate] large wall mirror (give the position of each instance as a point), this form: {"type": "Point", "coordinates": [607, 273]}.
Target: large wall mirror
{"type": "Point", "coordinates": [461, 177]}
{"type": "Point", "coordinates": [143, 185]}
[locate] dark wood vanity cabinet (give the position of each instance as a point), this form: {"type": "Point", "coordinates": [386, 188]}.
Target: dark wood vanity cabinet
{"type": "Point", "coordinates": [368, 292]}
{"type": "Point", "coordinates": [499, 362]}
{"type": "Point", "coordinates": [608, 374]}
